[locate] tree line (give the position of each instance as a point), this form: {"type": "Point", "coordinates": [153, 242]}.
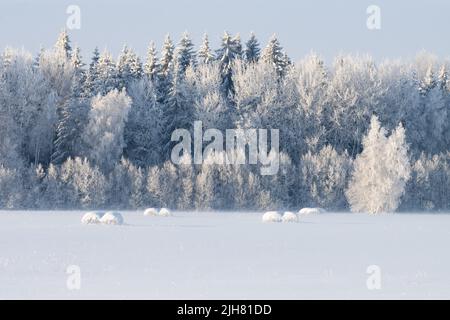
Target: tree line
{"type": "Point", "coordinates": [98, 135]}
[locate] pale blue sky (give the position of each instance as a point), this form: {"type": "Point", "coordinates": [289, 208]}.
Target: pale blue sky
{"type": "Point", "coordinates": [327, 27]}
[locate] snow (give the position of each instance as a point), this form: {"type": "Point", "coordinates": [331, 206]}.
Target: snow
{"type": "Point", "coordinates": [196, 255]}
{"type": "Point", "coordinates": [271, 216]}
{"type": "Point", "coordinates": [289, 216]}
{"type": "Point", "coordinates": [112, 217]}
{"type": "Point", "coordinates": [151, 212]}
{"type": "Point", "coordinates": [308, 211]}
{"type": "Point", "coordinates": [91, 217]}
{"type": "Point", "coordinates": [164, 212]}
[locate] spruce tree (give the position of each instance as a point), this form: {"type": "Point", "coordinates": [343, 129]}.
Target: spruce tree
{"type": "Point", "coordinates": [184, 54]}
{"type": "Point", "coordinates": [106, 75]}
{"type": "Point", "coordinates": [273, 55]}
{"type": "Point", "coordinates": [151, 66]}
{"type": "Point", "coordinates": [91, 75]}
{"type": "Point", "coordinates": [252, 49]}
{"type": "Point", "coordinates": [229, 51]}
{"type": "Point", "coordinates": [167, 53]}
{"type": "Point", "coordinates": [62, 46]}
{"type": "Point", "coordinates": [205, 55]}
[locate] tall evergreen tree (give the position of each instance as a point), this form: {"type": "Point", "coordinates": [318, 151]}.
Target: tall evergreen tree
{"type": "Point", "coordinates": [129, 67]}
{"type": "Point", "coordinates": [166, 69]}
{"type": "Point", "coordinates": [252, 49]}
{"type": "Point", "coordinates": [62, 46]}
{"type": "Point", "coordinates": [273, 55]}
{"type": "Point", "coordinates": [78, 66]}
{"type": "Point", "coordinates": [178, 112]}
{"type": "Point", "coordinates": [229, 51]}
{"type": "Point", "coordinates": [91, 74]}
{"type": "Point", "coordinates": [184, 55]}
{"type": "Point", "coordinates": [428, 82]}
{"type": "Point", "coordinates": [443, 78]}
{"type": "Point", "coordinates": [72, 115]}
{"type": "Point", "coordinates": [167, 53]}
{"type": "Point", "coordinates": [151, 66]}
{"type": "Point", "coordinates": [72, 121]}
{"type": "Point", "coordinates": [143, 127]}
{"type": "Point", "coordinates": [205, 55]}
{"type": "Point", "coordinates": [106, 75]}
{"type": "Point", "coordinates": [95, 58]}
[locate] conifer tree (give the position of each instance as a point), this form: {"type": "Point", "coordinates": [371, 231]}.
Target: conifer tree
{"type": "Point", "coordinates": [273, 55]}
{"type": "Point", "coordinates": [252, 49]}
{"type": "Point", "coordinates": [151, 66]}
{"type": "Point", "coordinates": [184, 55]}
{"type": "Point", "coordinates": [205, 55]}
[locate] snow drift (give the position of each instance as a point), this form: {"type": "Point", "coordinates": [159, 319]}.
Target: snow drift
{"type": "Point", "coordinates": [271, 216]}
{"type": "Point", "coordinates": [308, 211]}
{"type": "Point", "coordinates": [91, 217]}
{"type": "Point", "coordinates": [289, 216]}
{"type": "Point", "coordinates": [112, 217]}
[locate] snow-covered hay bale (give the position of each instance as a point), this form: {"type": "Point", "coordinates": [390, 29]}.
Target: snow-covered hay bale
{"type": "Point", "coordinates": [164, 212]}
{"type": "Point", "coordinates": [151, 212]}
{"type": "Point", "coordinates": [289, 216]}
{"type": "Point", "coordinates": [308, 211]}
{"type": "Point", "coordinates": [112, 217]}
{"type": "Point", "coordinates": [91, 217]}
{"type": "Point", "coordinates": [271, 216]}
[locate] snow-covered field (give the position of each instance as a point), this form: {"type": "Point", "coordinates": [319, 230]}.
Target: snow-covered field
{"type": "Point", "coordinates": [224, 255]}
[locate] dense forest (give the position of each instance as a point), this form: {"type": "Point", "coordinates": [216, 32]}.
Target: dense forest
{"type": "Point", "coordinates": [96, 133]}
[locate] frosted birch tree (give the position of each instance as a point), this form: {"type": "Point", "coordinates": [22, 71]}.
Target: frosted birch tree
{"type": "Point", "coordinates": [380, 171]}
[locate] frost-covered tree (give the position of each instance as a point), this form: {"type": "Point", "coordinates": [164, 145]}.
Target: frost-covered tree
{"type": "Point", "coordinates": [167, 55]}
{"type": "Point", "coordinates": [54, 191]}
{"type": "Point", "coordinates": [104, 132]}
{"type": "Point", "coordinates": [129, 68]}
{"type": "Point", "coordinates": [256, 93]}
{"type": "Point", "coordinates": [428, 188]}
{"type": "Point", "coordinates": [273, 55]}
{"type": "Point", "coordinates": [151, 65]}
{"type": "Point", "coordinates": [206, 192]}
{"type": "Point", "coordinates": [86, 183]}
{"type": "Point", "coordinates": [78, 65]}
{"type": "Point", "coordinates": [309, 93]}
{"type": "Point", "coordinates": [324, 177]}
{"type": "Point", "coordinates": [354, 91]}
{"type": "Point", "coordinates": [178, 113]}
{"type": "Point", "coordinates": [209, 104]}
{"type": "Point", "coordinates": [11, 189]}
{"type": "Point", "coordinates": [62, 45]}
{"type": "Point", "coordinates": [204, 53]}
{"type": "Point", "coordinates": [72, 121]}
{"type": "Point", "coordinates": [163, 185]}
{"type": "Point", "coordinates": [127, 186]}
{"type": "Point", "coordinates": [28, 103]}
{"type": "Point", "coordinates": [186, 175]}
{"type": "Point", "coordinates": [166, 69]}
{"type": "Point", "coordinates": [51, 112]}
{"type": "Point", "coordinates": [72, 115]}
{"type": "Point", "coordinates": [184, 55]}
{"type": "Point", "coordinates": [380, 171]}
{"type": "Point", "coordinates": [91, 74]}
{"type": "Point", "coordinates": [230, 50]}
{"type": "Point", "coordinates": [106, 75]}
{"type": "Point", "coordinates": [142, 131]}
{"type": "Point", "coordinates": [252, 49]}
